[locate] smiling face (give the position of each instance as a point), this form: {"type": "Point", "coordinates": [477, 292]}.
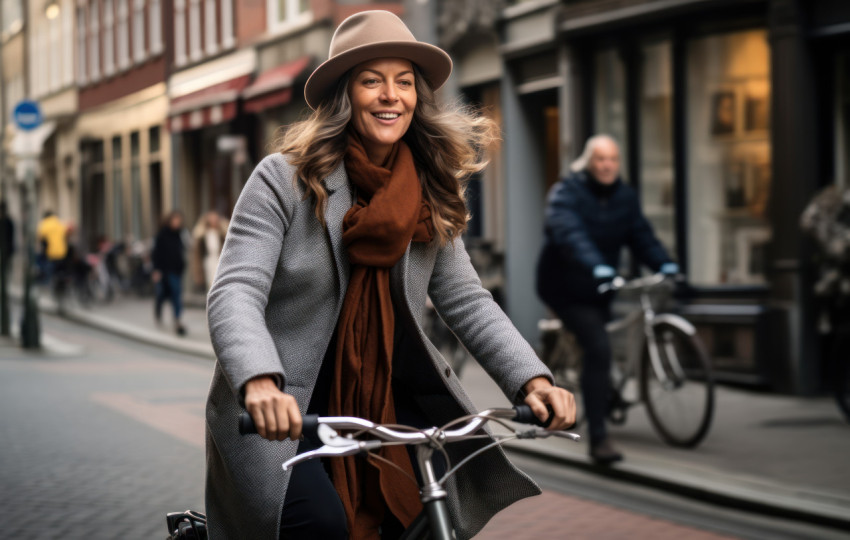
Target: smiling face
{"type": "Point", "coordinates": [383, 97]}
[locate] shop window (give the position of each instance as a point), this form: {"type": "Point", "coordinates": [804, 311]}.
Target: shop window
{"type": "Point", "coordinates": [656, 141]}
{"type": "Point", "coordinates": [117, 189]}
{"type": "Point", "coordinates": [609, 114]}
{"type": "Point", "coordinates": [136, 185]}
{"type": "Point", "coordinates": [728, 157]}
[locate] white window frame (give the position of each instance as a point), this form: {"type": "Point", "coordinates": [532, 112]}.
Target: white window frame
{"type": "Point", "coordinates": [122, 33]}
{"type": "Point", "coordinates": [54, 49]}
{"type": "Point", "coordinates": [139, 31]}
{"type": "Point", "coordinates": [108, 37]}
{"type": "Point", "coordinates": [228, 40]}
{"type": "Point", "coordinates": [210, 27]}
{"type": "Point", "coordinates": [180, 32]}
{"type": "Point", "coordinates": [155, 33]}
{"type": "Point", "coordinates": [82, 50]}
{"type": "Point", "coordinates": [94, 40]}
{"type": "Point", "coordinates": [195, 52]}
{"type": "Point", "coordinates": [68, 39]}
{"type": "Point", "coordinates": [291, 20]}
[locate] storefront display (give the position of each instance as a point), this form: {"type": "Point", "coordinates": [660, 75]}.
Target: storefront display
{"type": "Point", "coordinates": [728, 157]}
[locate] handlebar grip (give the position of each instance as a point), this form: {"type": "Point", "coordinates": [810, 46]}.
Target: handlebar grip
{"type": "Point", "coordinates": [310, 424]}
{"type": "Point", "coordinates": [246, 424]}
{"type": "Point", "coordinates": [525, 415]}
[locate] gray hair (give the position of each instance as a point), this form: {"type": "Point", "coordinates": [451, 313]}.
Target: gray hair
{"type": "Point", "coordinates": [590, 146]}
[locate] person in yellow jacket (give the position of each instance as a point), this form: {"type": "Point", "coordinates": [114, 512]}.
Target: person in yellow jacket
{"type": "Point", "coordinates": [53, 236]}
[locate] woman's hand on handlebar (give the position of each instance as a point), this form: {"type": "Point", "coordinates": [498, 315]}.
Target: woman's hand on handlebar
{"type": "Point", "coordinates": [275, 414]}
{"type": "Point", "coordinates": [539, 393]}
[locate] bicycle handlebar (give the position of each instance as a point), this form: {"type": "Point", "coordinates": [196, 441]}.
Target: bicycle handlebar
{"type": "Point", "coordinates": [621, 284]}
{"type": "Point", "coordinates": [311, 423]}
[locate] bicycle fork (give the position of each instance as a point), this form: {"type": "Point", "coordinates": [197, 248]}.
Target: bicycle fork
{"type": "Point", "coordinates": [652, 346]}
{"type": "Point", "coordinates": [433, 497]}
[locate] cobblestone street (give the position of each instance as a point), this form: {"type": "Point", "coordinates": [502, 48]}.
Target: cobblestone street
{"type": "Point", "coordinates": [99, 444]}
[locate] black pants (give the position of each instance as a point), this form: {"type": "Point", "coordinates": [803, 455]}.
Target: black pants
{"type": "Point", "coordinates": [587, 321]}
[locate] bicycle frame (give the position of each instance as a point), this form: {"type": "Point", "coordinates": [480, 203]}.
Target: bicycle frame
{"type": "Point", "coordinates": [648, 318]}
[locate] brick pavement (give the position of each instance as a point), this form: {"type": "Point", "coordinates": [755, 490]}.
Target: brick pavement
{"type": "Point", "coordinates": [553, 515]}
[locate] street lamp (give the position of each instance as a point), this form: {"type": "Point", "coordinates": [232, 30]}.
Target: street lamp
{"type": "Point", "coordinates": [51, 9]}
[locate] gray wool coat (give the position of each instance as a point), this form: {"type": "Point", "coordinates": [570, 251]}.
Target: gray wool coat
{"type": "Point", "coordinates": [273, 308]}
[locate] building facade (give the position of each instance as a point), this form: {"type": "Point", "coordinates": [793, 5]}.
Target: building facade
{"type": "Point", "coordinates": [730, 116]}
{"type": "Point", "coordinates": [121, 72]}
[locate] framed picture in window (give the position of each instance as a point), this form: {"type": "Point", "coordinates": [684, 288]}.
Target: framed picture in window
{"type": "Point", "coordinates": [756, 114]}
{"type": "Point", "coordinates": [723, 109]}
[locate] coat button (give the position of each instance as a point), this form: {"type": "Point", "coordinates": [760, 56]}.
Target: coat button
{"type": "Point", "coordinates": [448, 372]}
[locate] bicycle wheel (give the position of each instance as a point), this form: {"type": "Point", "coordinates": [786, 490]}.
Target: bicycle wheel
{"type": "Point", "coordinates": [679, 399]}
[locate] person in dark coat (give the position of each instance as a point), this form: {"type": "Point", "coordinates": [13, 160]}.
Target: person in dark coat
{"type": "Point", "coordinates": [590, 216]}
{"type": "Point", "coordinates": [169, 262]}
{"type": "Point", "coordinates": [7, 238]}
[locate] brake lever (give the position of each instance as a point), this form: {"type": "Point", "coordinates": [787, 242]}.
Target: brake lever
{"type": "Point", "coordinates": [352, 448]}
{"type": "Point", "coordinates": [540, 433]}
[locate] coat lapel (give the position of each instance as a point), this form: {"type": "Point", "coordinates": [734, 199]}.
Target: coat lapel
{"type": "Point", "coordinates": [339, 201]}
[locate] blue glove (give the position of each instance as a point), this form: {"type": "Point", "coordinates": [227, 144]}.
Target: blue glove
{"type": "Point", "coordinates": [670, 269]}
{"type": "Point", "coordinates": [603, 272]}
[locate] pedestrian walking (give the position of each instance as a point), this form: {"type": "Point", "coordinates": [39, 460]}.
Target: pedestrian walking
{"type": "Point", "coordinates": [318, 305]}
{"type": "Point", "coordinates": [591, 215]}
{"type": "Point", "coordinates": [208, 238]}
{"type": "Point", "coordinates": [169, 262]}
{"type": "Point", "coordinates": [52, 236]}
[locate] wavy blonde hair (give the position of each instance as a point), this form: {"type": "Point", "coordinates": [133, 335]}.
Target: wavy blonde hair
{"type": "Point", "coordinates": [447, 142]}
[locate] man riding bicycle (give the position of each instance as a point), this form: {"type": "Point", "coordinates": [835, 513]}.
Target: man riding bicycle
{"type": "Point", "coordinates": [590, 216]}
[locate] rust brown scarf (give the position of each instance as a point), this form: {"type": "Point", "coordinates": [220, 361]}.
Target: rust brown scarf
{"type": "Point", "coordinates": [389, 213]}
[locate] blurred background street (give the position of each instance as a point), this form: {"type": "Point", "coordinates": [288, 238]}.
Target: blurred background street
{"type": "Point", "coordinates": [731, 117]}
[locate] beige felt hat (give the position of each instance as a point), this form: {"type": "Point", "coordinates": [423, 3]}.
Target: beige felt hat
{"type": "Point", "coordinates": [374, 34]}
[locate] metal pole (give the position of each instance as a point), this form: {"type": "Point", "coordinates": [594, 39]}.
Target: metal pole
{"type": "Point", "coordinates": [30, 328]}
{"type": "Point", "coordinates": [5, 265]}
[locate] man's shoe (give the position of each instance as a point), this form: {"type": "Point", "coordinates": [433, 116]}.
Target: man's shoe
{"type": "Point", "coordinates": [604, 453]}
{"type": "Point", "coordinates": [180, 329]}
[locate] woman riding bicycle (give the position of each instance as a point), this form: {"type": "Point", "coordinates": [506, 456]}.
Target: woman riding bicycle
{"type": "Point", "coordinates": [333, 247]}
{"type": "Point", "coordinates": [590, 216]}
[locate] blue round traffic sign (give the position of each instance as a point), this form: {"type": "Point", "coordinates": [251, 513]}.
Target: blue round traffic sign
{"type": "Point", "coordinates": [27, 115]}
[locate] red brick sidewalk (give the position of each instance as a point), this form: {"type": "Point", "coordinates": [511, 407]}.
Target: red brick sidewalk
{"type": "Point", "coordinates": [553, 515]}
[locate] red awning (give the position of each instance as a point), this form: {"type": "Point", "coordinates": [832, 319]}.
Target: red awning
{"type": "Point", "coordinates": [212, 105]}
{"type": "Point", "coordinates": [273, 87]}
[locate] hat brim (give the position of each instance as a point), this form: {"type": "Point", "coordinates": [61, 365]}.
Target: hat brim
{"type": "Point", "coordinates": [434, 63]}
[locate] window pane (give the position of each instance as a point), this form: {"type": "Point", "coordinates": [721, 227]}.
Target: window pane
{"type": "Point", "coordinates": [153, 139]}
{"type": "Point", "coordinates": [134, 144]}
{"type": "Point", "coordinates": [610, 100]}
{"type": "Point", "coordinates": [656, 141]}
{"type": "Point", "coordinates": [117, 190]}
{"type": "Point", "coordinates": [729, 162]}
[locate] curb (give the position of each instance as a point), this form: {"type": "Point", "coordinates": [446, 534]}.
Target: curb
{"type": "Point", "coordinates": [758, 497]}
{"type": "Point", "coordinates": [157, 339]}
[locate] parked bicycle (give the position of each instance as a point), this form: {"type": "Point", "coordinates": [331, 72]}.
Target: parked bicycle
{"type": "Point", "coordinates": [361, 437]}
{"type": "Point", "coordinates": [658, 359]}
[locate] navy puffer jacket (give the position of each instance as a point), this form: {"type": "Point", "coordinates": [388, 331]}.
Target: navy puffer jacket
{"type": "Point", "coordinates": [588, 224]}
